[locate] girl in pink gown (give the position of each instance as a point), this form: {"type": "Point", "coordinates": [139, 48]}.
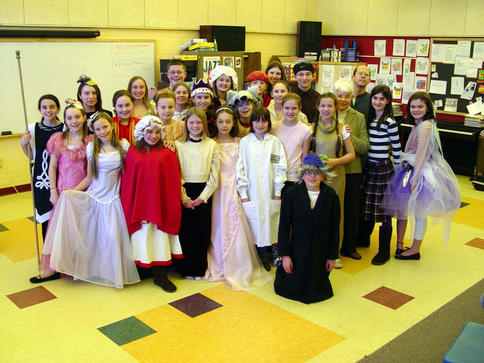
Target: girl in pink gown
{"type": "Point", "coordinates": [231, 256]}
{"type": "Point", "coordinates": [67, 168]}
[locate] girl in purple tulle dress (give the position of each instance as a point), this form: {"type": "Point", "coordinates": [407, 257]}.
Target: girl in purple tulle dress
{"type": "Point", "coordinates": [424, 185]}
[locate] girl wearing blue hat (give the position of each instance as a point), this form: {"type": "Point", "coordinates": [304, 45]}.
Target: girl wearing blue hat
{"type": "Point", "coordinates": [308, 236]}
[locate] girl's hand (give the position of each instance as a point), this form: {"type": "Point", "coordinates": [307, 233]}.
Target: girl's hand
{"type": "Point", "coordinates": [331, 162]}
{"type": "Point", "coordinates": [276, 198]}
{"type": "Point", "coordinates": [287, 264]}
{"type": "Point", "coordinates": [412, 187]}
{"type": "Point", "coordinates": [329, 265]}
{"type": "Point", "coordinates": [197, 202]}
{"type": "Point", "coordinates": [144, 221]}
{"type": "Point", "coordinates": [188, 204]}
{"type": "Point", "coordinates": [245, 200]}
{"type": "Point", "coordinates": [25, 139]}
{"type": "Point", "coordinates": [348, 128]}
{"type": "Point", "coordinates": [54, 197]}
{"type": "Point", "coordinates": [169, 144]}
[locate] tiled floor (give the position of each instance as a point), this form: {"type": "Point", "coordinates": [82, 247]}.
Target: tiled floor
{"type": "Point", "coordinates": [80, 322]}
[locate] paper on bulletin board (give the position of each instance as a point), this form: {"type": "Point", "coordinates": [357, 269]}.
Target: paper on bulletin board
{"type": "Point", "coordinates": [373, 71]}
{"type": "Point", "coordinates": [451, 104]}
{"type": "Point", "coordinates": [420, 84]}
{"type": "Point", "coordinates": [397, 90]}
{"type": "Point", "coordinates": [411, 50]}
{"type": "Point", "coordinates": [475, 108]}
{"type": "Point", "coordinates": [327, 78]}
{"type": "Point", "coordinates": [380, 47]}
{"type": "Point", "coordinates": [461, 65]}
{"type": "Point", "coordinates": [450, 53]}
{"type": "Point", "coordinates": [407, 64]}
{"type": "Point", "coordinates": [478, 50]}
{"type": "Point", "coordinates": [408, 80]}
{"type": "Point", "coordinates": [464, 48]}
{"type": "Point", "coordinates": [384, 65]}
{"type": "Point", "coordinates": [474, 65]}
{"type": "Point", "coordinates": [345, 73]}
{"type": "Point", "coordinates": [399, 47]}
{"type": "Point", "coordinates": [396, 67]}
{"type": "Point", "coordinates": [423, 47]}
{"type": "Point", "coordinates": [438, 87]}
{"type": "Point", "coordinates": [438, 51]}
{"type": "Point", "coordinates": [438, 103]}
{"type": "Point", "coordinates": [422, 65]}
{"type": "Point", "coordinates": [469, 91]}
{"type": "Point", "coordinates": [456, 85]}
{"type": "Point", "coordinates": [406, 95]}
{"type": "Point", "coordinates": [209, 63]}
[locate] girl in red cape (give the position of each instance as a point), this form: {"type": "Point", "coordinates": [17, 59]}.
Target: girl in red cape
{"type": "Point", "coordinates": [150, 194]}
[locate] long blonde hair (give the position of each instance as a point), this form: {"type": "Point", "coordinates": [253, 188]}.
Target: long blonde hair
{"type": "Point", "coordinates": [146, 99]}
{"type": "Point", "coordinates": [97, 144]}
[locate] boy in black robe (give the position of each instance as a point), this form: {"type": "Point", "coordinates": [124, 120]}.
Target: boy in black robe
{"type": "Point", "coordinates": [308, 236]}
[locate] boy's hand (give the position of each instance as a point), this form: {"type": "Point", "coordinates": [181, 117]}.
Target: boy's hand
{"type": "Point", "coordinates": [287, 264]}
{"type": "Point", "coordinates": [329, 265]}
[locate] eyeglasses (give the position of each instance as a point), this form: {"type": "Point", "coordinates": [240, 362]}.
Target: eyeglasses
{"type": "Point", "coordinates": [176, 72]}
{"type": "Point", "coordinates": [363, 74]}
{"type": "Point", "coordinates": [311, 172]}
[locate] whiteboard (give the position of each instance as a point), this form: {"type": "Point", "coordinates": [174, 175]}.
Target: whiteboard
{"type": "Point", "coordinates": [54, 67]}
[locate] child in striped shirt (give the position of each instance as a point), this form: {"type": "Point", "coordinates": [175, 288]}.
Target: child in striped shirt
{"type": "Point", "coordinates": [383, 134]}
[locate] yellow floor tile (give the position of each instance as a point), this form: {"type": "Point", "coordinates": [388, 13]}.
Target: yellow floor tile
{"type": "Point", "coordinates": [18, 243]}
{"type": "Point", "coordinates": [267, 333]}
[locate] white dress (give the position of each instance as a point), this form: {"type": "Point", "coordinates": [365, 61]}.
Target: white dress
{"type": "Point", "coordinates": [87, 237]}
{"type": "Point", "coordinates": [261, 173]}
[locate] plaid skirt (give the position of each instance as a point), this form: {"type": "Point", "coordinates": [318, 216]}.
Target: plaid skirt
{"type": "Point", "coordinates": [374, 183]}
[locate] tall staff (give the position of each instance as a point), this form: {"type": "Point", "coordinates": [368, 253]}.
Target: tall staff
{"type": "Point", "coordinates": [17, 52]}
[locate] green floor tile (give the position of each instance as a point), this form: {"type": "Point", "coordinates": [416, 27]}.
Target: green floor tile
{"type": "Point", "coordinates": [126, 330]}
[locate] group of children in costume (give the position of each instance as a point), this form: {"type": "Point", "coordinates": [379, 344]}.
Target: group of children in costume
{"type": "Point", "coordinates": [198, 187]}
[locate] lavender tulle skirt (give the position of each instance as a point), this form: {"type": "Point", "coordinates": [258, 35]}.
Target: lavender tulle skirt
{"type": "Point", "coordinates": [436, 192]}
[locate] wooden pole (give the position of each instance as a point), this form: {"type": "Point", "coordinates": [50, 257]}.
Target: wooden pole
{"type": "Point", "coordinates": [17, 52]}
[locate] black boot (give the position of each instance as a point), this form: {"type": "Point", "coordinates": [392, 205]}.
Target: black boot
{"type": "Point", "coordinates": [365, 229]}
{"type": "Point", "coordinates": [161, 280]}
{"type": "Point", "coordinates": [384, 238]}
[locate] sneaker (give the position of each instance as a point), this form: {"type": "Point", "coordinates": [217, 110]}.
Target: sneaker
{"type": "Point", "coordinates": [338, 263]}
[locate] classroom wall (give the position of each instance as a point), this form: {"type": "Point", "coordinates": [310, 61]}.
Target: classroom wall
{"type": "Point", "coordinates": [435, 18]}
{"type": "Point", "coordinates": [271, 29]}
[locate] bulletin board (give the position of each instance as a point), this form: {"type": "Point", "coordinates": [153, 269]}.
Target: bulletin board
{"type": "Point", "coordinates": [453, 77]}
{"type": "Point", "coordinates": [54, 67]}
{"type": "Point", "coordinates": [330, 72]}
{"type": "Point", "coordinates": [402, 63]}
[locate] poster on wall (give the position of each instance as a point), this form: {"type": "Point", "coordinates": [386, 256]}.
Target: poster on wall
{"type": "Point", "coordinates": [423, 47]}
{"type": "Point", "coordinates": [380, 48]}
{"type": "Point", "coordinates": [229, 61]}
{"type": "Point", "coordinates": [209, 63]}
{"type": "Point", "coordinates": [422, 65]}
{"type": "Point", "coordinates": [399, 47]}
{"type": "Point", "coordinates": [411, 50]}
{"type": "Point", "coordinates": [396, 67]}
{"type": "Point", "coordinates": [384, 65]}
{"type": "Point", "coordinates": [373, 71]}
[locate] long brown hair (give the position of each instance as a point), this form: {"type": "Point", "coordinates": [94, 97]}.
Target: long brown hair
{"type": "Point", "coordinates": [65, 133]}
{"type": "Point", "coordinates": [333, 97]}
{"type": "Point", "coordinates": [195, 111]}
{"type": "Point", "coordinates": [97, 144]}
{"type": "Point", "coordinates": [146, 99]}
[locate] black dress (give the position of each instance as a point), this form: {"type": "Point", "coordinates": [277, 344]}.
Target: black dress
{"type": "Point", "coordinates": [43, 207]}
{"type": "Point", "coordinates": [310, 237]}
